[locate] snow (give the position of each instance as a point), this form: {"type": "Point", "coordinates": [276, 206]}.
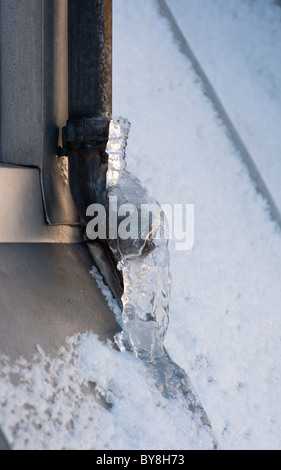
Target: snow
{"type": "Point", "coordinates": [91, 397]}
{"type": "Point", "coordinates": [225, 309]}
{"type": "Point", "coordinates": [237, 44]}
{"type": "Point", "coordinates": [225, 306]}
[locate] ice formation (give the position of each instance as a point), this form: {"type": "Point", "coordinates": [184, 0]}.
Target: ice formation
{"type": "Point", "coordinates": [144, 260]}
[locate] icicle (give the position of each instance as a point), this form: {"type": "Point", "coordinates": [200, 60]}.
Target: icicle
{"type": "Point", "coordinates": [143, 260]}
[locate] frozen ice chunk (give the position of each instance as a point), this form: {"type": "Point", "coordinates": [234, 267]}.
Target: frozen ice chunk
{"type": "Point", "coordinates": [143, 258]}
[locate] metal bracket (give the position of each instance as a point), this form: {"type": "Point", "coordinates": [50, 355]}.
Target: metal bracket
{"type": "Point", "coordinates": [85, 142]}
{"type": "Point", "coordinates": [85, 133]}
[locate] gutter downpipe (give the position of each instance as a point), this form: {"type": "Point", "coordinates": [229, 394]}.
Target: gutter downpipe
{"type": "Point", "coordinates": [90, 100]}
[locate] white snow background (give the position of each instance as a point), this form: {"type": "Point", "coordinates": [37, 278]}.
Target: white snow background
{"type": "Point", "coordinates": [225, 320]}
{"type": "Point", "coordinates": [225, 327]}
{"type": "Point", "coordinates": [238, 46]}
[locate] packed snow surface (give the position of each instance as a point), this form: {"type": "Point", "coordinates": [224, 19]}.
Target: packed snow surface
{"type": "Point", "coordinates": [225, 306]}
{"type": "Point", "coordinates": [238, 46]}
{"type": "Point", "coordinates": [91, 397]}
{"type": "Point", "coordinates": [225, 320]}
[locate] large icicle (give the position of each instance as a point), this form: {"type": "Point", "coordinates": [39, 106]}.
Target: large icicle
{"type": "Point", "coordinates": [144, 262]}
{"type": "Point", "coordinates": [144, 259]}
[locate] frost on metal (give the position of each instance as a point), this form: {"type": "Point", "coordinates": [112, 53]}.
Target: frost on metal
{"type": "Point", "coordinates": [143, 260]}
